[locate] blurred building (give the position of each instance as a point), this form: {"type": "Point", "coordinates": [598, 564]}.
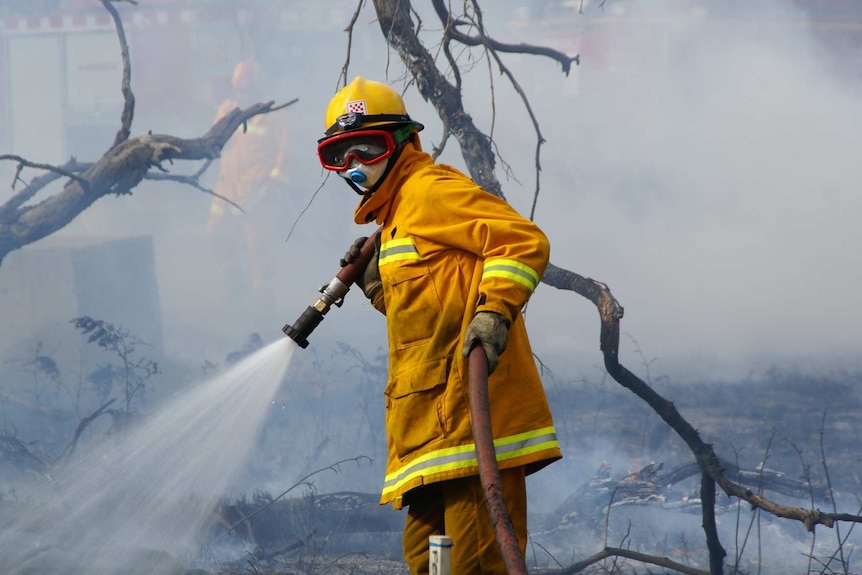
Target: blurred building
{"type": "Point", "coordinates": [60, 65]}
{"type": "Point", "coordinates": [43, 288]}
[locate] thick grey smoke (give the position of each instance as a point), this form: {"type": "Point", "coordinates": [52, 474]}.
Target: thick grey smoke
{"type": "Point", "coordinates": [701, 161]}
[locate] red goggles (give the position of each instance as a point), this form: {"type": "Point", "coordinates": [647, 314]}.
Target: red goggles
{"type": "Point", "coordinates": [367, 147]}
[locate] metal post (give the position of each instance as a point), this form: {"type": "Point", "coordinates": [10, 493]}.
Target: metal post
{"type": "Point", "coordinates": [439, 551]}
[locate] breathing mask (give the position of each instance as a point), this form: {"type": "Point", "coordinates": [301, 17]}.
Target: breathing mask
{"type": "Point", "coordinates": [365, 175]}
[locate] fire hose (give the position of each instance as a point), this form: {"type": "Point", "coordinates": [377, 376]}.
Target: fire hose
{"type": "Point", "coordinates": [332, 293]}
{"type": "Point", "coordinates": [489, 472]}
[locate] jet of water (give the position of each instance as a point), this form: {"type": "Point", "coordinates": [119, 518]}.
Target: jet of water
{"type": "Point", "coordinates": [141, 502]}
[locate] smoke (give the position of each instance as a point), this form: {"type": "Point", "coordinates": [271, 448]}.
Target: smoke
{"type": "Point", "coordinates": [700, 161]}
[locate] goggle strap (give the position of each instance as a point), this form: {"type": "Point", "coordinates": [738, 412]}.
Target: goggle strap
{"type": "Point", "coordinates": [404, 132]}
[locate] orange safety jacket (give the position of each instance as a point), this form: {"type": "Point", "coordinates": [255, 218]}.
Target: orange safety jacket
{"type": "Point", "coordinates": [251, 160]}
{"type": "Point", "coordinates": [450, 249]}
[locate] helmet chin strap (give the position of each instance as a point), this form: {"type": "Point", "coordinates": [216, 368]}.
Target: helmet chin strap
{"type": "Point", "coordinates": [359, 190]}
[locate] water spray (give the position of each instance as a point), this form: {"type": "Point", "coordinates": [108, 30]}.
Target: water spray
{"type": "Point", "coordinates": [331, 293]}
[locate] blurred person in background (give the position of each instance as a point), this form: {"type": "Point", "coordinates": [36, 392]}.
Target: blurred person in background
{"type": "Point", "coordinates": [454, 266]}
{"type": "Point", "coordinates": [253, 173]}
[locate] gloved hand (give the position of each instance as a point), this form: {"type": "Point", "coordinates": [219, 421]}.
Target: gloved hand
{"type": "Point", "coordinates": [491, 330]}
{"type": "Point", "coordinates": [369, 281]}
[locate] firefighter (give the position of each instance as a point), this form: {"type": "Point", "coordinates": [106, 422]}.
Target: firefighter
{"type": "Point", "coordinates": [253, 174]}
{"type": "Point", "coordinates": [453, 268]}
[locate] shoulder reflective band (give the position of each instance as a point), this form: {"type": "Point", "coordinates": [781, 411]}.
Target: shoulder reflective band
{"type": "Point", "coordinates": [464, 456]}
{"type": "Point", "coordinates": [397, 250]}
{"type": "Point", "coordinates": [510, 269]}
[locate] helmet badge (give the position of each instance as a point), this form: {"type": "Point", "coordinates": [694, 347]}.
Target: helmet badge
{"type": "Point", "coordinates": [357, 107]}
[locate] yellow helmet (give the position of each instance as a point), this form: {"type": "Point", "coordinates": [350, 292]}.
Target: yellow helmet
{"type": "Point", "coordinates": [364, 104]}
{"type": "Point", "coordinates": [245, 75]}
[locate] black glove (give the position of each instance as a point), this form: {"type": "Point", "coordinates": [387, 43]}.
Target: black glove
{"type": "Point", "coordinates": [369, 281]}
{"type": "Point", "coordinates": [491, 330]}
{"type": "Point", "coordinates": [353, 251]}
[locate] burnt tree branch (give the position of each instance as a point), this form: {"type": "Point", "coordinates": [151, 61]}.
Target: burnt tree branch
{"type": "Point", "coordinates": [452, 31]}
{"type": "Point", "coordinates": [68, 170]}
{"type": "Point", "coordinates": [609, 552]}
{"type": "Point", "coordinates": [491, 49]}
{"type": "Point", "coordinates": [117, 172]}
{"type": "Point", "coordinates": [126, 86]}
{"type": "Point", "coordinates": [397, 26]}
{"type": "Point", "coordinates": [84, 423]}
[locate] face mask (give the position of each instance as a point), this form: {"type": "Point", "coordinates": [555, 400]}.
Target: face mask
{"type": "Point", "coordinates": [363, 175]}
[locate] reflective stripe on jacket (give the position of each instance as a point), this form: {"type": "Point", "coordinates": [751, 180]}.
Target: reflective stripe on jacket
{"type": "Point", "coordinates": [448, 249]}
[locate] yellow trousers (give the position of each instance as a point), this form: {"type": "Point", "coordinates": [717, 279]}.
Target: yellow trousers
{"type": "Point", "coordinates": [457, 509]}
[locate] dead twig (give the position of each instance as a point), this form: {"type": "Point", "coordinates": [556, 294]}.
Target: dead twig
{"type": "Point", "coordinates": [25, 195]}
{"type": "Point", "coordinates": [342, 78]}
{"type": "Point", "coordinates": [82, 425]}
{"type": "Point", "coordinates": [302, 481]}
{"type": "Point", "coordinates": [840, 549]}
{"type": "Point", "coordinates": [540, 138]}
{"type": "Point", "coordinates": [128, 113]}
{"type": "Point", "coordinates": [564, 60]}
{"type": "Point", "coordinates": [609, 552]}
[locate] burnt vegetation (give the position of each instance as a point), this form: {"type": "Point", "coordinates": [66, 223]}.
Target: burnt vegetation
{"type": "Point", "coordinates": [723, 464]}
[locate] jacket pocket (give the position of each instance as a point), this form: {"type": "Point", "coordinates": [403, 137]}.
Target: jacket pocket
{"type": "Point", "coordinates": [415, 305]}
{"type": "Point", "coordinates": [415, 406]}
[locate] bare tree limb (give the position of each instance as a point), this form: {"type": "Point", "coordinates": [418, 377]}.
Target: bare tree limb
{"type": "Point", "coordinates": [628, 554]}
{"type": "Point", "coordinates": [19, 199]}
{"type": "Point", "coordinates": [343, 79]}
{"type": "Point", "coordinates": [394, 19]}
{"type": "Point", "coordinates": [192, 181]}
{"type": "Point", "coordinates": [540, 138]}
{"type": "Point", "coordinates": [126, 87]}
{"type": "Point", "coordinates": [564, 60]}
{"type": "Point", "coordinates": [335, 467]}
{"type": "Point", "coordinates": [83, 424]}
{"type": "Point", "coordinates": [117, 172]}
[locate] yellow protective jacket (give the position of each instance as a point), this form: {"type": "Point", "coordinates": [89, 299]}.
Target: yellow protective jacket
{"type": "Point", "coordinates": [449, 249]}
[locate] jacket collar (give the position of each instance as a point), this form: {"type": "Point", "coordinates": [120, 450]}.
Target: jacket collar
{"type": "Point", "coordinates": [375, 207]}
